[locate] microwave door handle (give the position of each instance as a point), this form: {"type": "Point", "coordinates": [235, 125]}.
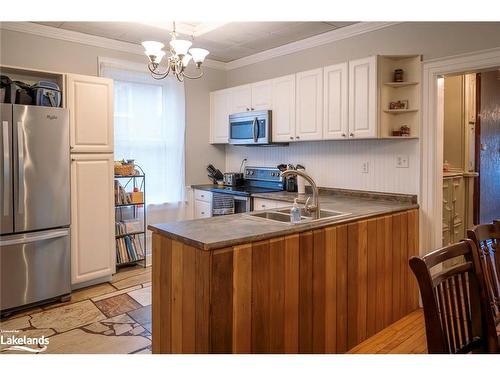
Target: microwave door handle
{"type": "Point", "coordinates": [255, 130]}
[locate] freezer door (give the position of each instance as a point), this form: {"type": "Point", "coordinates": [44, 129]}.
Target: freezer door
{"type": "Point", "coordinates": [6, 197]}
{"type": "Point", "coordinates": [34, 267]}
{"type": "Point", "coordinates": [41, 168]}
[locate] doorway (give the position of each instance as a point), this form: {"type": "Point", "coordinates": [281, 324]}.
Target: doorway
{"type": "Point", "coordinates": [432, 137]}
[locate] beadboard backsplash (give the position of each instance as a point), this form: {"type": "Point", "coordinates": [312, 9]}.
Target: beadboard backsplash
{"type": "Point", "coordinates": [340, 163]}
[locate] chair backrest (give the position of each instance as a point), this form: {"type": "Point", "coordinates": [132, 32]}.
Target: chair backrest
{"type": "Point", "coordinates": [455, 307]}
{"type": "Point", "coordinates": [487, 240]}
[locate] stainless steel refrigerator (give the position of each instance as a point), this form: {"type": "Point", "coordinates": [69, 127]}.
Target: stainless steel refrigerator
{"type": "Point", "coordinates": [35, 205]}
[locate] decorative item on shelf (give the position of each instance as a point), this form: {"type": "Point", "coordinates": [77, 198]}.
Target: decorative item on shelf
{"type": "Point", "coordinates": [446, 166]}
{"type": "Point", "coordinates": [405, 131]}
{"type": "Point", "coordinates": [396, 133]}
{"type": "Point", "coordinates": [137, 196]}
{"type": "Point", "coordinates": [125, 168]}
{"type": "Point", "coordinates": [400, 104]}
{"type": "Point", "coordinates": [398, 75]}
{"type": "Point", "coordinates": [180, 56]}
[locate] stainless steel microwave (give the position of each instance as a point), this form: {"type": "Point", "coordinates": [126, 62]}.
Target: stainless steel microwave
{"type": "Point", "coordinates": [250, 128]}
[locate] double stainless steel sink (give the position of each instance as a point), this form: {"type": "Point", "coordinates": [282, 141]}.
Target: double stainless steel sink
{"type": "Point", "coordinates": [283, 215]}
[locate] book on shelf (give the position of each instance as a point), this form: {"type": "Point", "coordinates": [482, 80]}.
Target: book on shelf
{"type": "Point", "coordinates": [128, 226]}
{"type": "Point", "coordinates": [128, 249]}
{"type": "Point", "coordinates": [121, 196]}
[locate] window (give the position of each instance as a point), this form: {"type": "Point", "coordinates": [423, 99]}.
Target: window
{"type": "Point", "coordinates": [149, 125]}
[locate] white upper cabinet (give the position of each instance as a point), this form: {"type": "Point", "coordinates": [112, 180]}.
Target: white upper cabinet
{"type": "Point", "coordinates": [363, 98]}
{"type": "Point", "coordinates": [240, 99]}
{"type": "Point", "coordinates": [219, 116]}
{"type": "Point", "coordinates": [283, 121]}
{"type": "Point", "coordinates": [90, 103]}
{"type": "Point", "coordinates": [262, 96]}
{"type": "Point", "coordinates": [335, 102]}
{"type": "Point", "coordinates": [309, 105]}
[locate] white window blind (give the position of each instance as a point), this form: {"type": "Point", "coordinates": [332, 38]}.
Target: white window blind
{"type": "Point", "coordinates": [149, 126]}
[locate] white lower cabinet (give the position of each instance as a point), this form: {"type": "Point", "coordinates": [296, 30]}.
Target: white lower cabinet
{"type": "Point", "coordinates": [202, 204]}
{"type": "Point", "coordinates": [92, 217]}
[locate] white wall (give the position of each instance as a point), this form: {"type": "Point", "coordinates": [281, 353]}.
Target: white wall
{"type": "Point", "coordinates": [36, 52]}
{"type": "Point", "coordinates": [338, 163]}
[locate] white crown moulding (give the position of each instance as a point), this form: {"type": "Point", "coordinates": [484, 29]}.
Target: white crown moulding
{"type": "Point", "coordinates": [97, 41]}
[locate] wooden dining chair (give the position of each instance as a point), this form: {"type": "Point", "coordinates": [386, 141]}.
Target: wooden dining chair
{"type": "Point", "coordinates": [487, 240]}
{"type": "Point", "coordinates": [457, 316]}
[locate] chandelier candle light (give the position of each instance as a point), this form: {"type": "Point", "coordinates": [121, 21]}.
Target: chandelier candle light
{"type": "Point", "coordinates": [180, 56]}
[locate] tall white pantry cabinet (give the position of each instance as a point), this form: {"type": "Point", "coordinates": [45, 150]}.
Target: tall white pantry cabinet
{"type": "Point", "coordinates": [90, 103]}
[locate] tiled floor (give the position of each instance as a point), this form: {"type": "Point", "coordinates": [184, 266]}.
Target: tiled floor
{"type": "Point", "coordinates": [112, 317]}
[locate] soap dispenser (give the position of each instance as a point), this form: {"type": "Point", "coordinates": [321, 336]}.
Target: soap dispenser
{"type": "Point", "coordinates": [295, 213]}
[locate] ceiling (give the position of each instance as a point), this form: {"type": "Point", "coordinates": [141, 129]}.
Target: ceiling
{"type": "Point", "coordinates": [225, 41]}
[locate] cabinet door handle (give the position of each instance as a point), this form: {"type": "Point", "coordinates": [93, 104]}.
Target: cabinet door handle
{"type": "Point", "coordinates": [343, 135]}
{"type": "Point", "coordinates": [351, 135]}
{"type": "Point", "coordinates": [297, 137]}
{"type": "Point", "coordinates": [248, 109]}
{"type": "Point", "coordinates": [203, 212]}
{"type": "Point", "coordinates": [291, 137]}
{"type": "Point", "coordinates": [252, 109]}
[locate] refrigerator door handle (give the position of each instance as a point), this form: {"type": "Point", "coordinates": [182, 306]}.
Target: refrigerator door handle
{"type": "Point", "coordinates": [6, 168]}
{"type": "Point", "coordinates": [20, 154]}
{"type": "Point", "coordinates": [34, 237]}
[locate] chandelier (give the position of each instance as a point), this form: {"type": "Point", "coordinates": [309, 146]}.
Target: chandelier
{"type": "Point", "coordinates": [180, 56]}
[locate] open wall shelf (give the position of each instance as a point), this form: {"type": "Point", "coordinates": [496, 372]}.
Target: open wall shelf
{"type": "Point", "coordinates": [390, 91]}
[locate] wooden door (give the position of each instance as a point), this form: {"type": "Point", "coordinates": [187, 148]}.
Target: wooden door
{"type": "Point", "coordinates": [90, 103]}
{"type": "Point", "coordinates": [92, 217]}
{"type": "Point", "coordinates": [309, 91]}
{"type": "Point", "coordinates": [283, 123]}
{"type": "Point", "coordinates": [335, 96]}
{"type": "Point", "coordinates": [363, 98]}
{"type": "Point", "coordinates": [219, 116]}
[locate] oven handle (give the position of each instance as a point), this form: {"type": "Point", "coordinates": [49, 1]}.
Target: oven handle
{"type": "Point", "coordinates": [255, 130]}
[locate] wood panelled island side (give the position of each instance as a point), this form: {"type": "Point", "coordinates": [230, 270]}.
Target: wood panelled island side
{"type": "Point", "coordinates": [242, 284]}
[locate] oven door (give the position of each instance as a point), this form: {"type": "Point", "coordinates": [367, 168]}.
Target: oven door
{"type": "Point", "coordinates": [249, 128]}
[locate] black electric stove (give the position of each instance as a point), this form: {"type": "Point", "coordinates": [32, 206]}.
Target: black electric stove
{"type": "Point", "coordinates": [255, 180]}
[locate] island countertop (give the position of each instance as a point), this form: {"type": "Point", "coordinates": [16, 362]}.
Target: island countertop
{"type": "Point", "coordinates": [230, 230]}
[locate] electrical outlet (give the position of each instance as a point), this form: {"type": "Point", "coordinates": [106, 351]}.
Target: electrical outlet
{"type": "Point", "coordinates": [365, 167]}
{"type": "Point", "coordinates": [402, 161]}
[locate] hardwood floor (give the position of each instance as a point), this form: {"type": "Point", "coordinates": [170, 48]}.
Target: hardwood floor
{"type": "Point", "coordinates": [406, 336]}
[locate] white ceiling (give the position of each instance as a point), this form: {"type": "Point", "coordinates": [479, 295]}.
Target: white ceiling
{"type": "Point", "coordinates": [226, 42]}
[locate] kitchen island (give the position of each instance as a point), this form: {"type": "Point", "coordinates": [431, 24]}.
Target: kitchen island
{"type": "Point", "coordinates": [245, 284]}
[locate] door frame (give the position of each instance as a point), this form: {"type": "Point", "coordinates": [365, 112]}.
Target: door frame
{"type": "Point", "coordinates": [432, 138]}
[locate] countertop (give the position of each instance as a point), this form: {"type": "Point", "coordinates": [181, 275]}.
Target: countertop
{"type": "Point", "coordinates": [230, 230]}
